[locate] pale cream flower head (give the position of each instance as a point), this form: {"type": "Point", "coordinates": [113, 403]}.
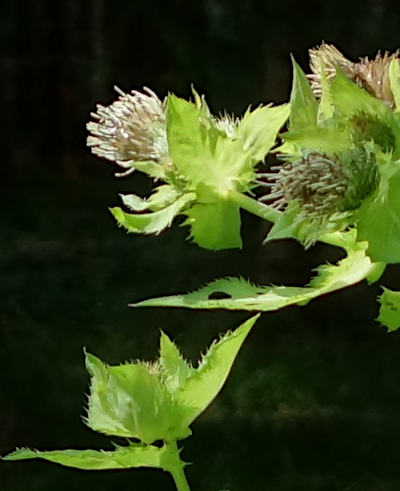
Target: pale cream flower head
{"type": "Point", "coordinates": [371, 75]}
{"type": "Point", "coordinates": [131, 129]}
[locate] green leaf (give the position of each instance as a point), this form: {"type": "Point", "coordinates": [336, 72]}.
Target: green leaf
{"type": "Point", "coordinates": [326, 108]}
{"type": "Point", "coordinates": [240, 295]}
{"type": "Point", "coordinates": [395, 127]}
{"type": "Point", "coordinates": [215, 165]}
{"type": "Point", "coordinates": [174, 368]}
{"type": "Point", "coordinates": [200, 101]}
{"type": "Point", "coordinates": [389, 312]}
{"type": "Point", "coordinates": [325, 139]}
{"type": "Point", "coordinates": [304, 107]}
{"type": "Point", "coordinates": [291, 224]}
{"type": "Point", "coordinates": [152, 169]}
{"type": "Point", "coordinates": [158, 401]}
{"type": "Point", "coordinates": [349, 98]}
{"type": "Point", "coordinates": [207, 157]}
{"type": "Point", "coordinates": [287, 226]}
{"type": "Point", "coordinates": [205, 382]}
{"type": "Point", "coordinates": [128, 400]}
{"type": "Point", "coordinates": [394, 80]}
{"type": "Point", "coordinates": [376, 272]}
{"type": "Point", "coordinates": [120, 458]}
{"type": "Point", "coordinates": [134, 202]}
{"type": "Point", "coordinates": [258, 129]}
{"type": "Point", "coordinates": [162, 197]}
{"type": "Point", "coordinates": [151, 223]}
{"type": "Point", "coordinates": [209, 161]}
{"type": "Point", "coordinates": [191, 141]}
{"type": "Point", "coordinates": [379, 216]}
{"type": "Point", "coordinates": [215, 226]}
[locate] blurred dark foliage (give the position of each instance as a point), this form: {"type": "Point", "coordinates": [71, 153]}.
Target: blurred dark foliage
{"type": "Point", "coordinates": [312, 403]}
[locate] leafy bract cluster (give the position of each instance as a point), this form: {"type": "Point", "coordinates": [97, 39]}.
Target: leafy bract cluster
{"type": "Point", "coordinates": [342, 160]}
{"type": "Point", "coordinates": [353, 141]}
{"type": "Point", "coordinates": [148, 402]}
{"type": "Point", "coordinates": [204, 161]}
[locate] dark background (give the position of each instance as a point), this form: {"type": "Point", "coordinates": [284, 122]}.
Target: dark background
{"type": "Point", "coordinates": [313, 400]}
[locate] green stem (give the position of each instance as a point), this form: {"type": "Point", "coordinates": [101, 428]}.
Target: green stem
{"type": "Point", "coordinates": [255, 207]}
{"type": "Point", "coordinates": [176, 468]}
{"type": "Point", "coordinates": [270, 214]}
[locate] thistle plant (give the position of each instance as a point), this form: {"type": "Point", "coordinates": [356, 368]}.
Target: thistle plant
{"type": "Point", "coordinates": [334, 178]}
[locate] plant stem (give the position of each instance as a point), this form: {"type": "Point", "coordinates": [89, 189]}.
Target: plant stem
{"type": "Point", "coordinates": [178, 475]}
{"type": "Point", "coordinates": [270, 214]}
{"type": "Point", "coordinates": [176, 468]}
{"type": "Point", "coordinates": [253, 206]}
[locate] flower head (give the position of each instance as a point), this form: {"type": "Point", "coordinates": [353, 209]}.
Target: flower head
{"type": "Point", "coordinates": [371, 75]}
{"type": "Point", "coordinates": [315, 182]}
{"type": "Point", "coordinates": [132, 129]}
{"type": "Point", "coordinates": [324, 189]}
{"type": "Point", "coordinates": [325, 59]}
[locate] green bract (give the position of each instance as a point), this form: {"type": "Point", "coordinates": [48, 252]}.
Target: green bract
{"type": "Point", "coordinates": [158, 401]}
{"type": "Point", "coordinates": [389, 313]}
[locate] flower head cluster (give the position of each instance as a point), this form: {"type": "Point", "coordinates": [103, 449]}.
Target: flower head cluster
{"type": "Point", "coordinates": [131, 129]}
{"type": "Point", "coordinates": [341, 147]}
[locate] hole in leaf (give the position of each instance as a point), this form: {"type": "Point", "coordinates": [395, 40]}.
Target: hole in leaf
{"type": "Point", "coordinates": [126, 440]}
{"type": "Point", "coordinates": [218, 296]}
{"type": "Point", "coordinates": [158, 443]}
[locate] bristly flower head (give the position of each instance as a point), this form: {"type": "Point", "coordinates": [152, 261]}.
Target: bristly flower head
{"type": "Point", "coordinates": [325, 59]}
{"type": "Point", "coordinates": [132, 129]}
{"type": "Point", "coordinates": [325, 189]}
{"type": "Point", "coordinates": [315, 182]}
{"type": "Point", "coordinates": [371, 75]}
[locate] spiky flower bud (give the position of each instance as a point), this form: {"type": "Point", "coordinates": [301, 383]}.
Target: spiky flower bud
{"type": "Point", "coordinates": [371, 75]}
{"type": "Point", "coordinates": [131, 129]}
{"type": "Point", "coordinates": [322, 185]}
{"type": "Point", "coordinates": [327, 58]}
